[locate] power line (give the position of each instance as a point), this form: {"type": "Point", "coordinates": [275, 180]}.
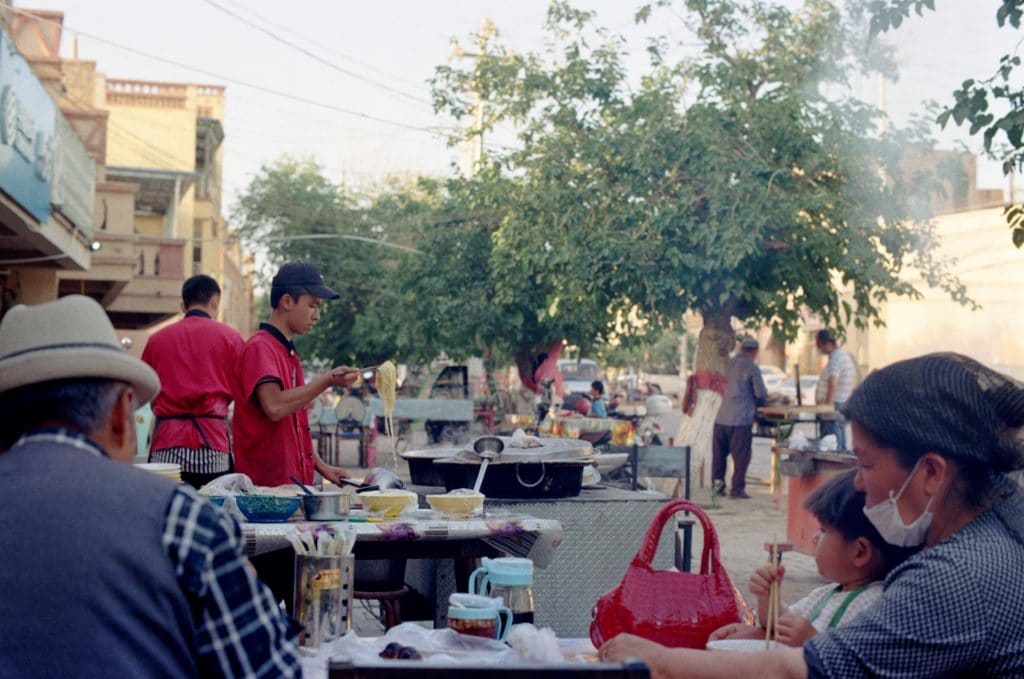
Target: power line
{"type": "Point", "coordinates": [236, 81]}
{"type": "Point", "coordinates": [325, 48]}
{"type": "Point", "coordinates": [313, 55]}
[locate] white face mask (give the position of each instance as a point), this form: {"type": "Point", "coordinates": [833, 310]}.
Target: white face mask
{"type": "Point", "coordinates": [885, 517]}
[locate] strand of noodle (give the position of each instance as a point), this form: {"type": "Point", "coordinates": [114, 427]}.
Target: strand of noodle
{"type": "Point", "coordinates": [387, 379]}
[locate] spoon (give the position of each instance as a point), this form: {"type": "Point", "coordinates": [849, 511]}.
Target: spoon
{"type": "Point", "coordinates": [301, 485]}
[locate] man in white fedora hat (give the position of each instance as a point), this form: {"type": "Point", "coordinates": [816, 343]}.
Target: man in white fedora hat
{"type": "Point", "coordinates": [110, 570]}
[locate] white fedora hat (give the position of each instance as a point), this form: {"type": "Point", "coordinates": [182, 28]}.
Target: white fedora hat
{"type": "Point", "coordinates": [71, 337]}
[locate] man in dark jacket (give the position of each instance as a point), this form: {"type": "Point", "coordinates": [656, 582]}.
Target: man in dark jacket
{"type": "Point", "coordinates": [111, 571]}
{"type": "Point", "coordinates": [734, 423]}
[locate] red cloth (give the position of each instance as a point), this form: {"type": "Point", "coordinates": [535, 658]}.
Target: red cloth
{"type": "Point", "coordinates": [705, 379]}
{"type": "Point", "coordinates": [547, 370]}
{"type": "Point", "coordinates": [194, 359]}
{"type": "Point", "coordinates": [269, 452]}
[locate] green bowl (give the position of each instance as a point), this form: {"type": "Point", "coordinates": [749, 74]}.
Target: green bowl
{"type": "Point", "coordinates": [267, 508]}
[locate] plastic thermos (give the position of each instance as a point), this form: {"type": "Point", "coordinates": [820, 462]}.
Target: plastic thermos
{"type": "Point", "coordinates": [511, 579]}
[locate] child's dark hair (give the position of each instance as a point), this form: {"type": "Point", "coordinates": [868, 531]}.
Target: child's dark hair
{"type": "Point", "coordinates": [838, 505]}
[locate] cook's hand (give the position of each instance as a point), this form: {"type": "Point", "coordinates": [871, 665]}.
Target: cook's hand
{"type": "Point", "coordinates": [344, 376]}
{"type": "Point", "coordinates": [737, 631]}
{"type": "Point", "coordinates": [332, 473]}
{"type": "Point", "coordinates": [794, 630]}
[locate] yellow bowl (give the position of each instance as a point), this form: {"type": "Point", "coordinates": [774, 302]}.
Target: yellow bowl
{"type": "Point", "coordinates": [456, 506]}
{"type": "Point", "coordinates": [390, 502]}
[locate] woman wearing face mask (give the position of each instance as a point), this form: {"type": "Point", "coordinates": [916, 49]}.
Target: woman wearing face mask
{"type": "Point", "coordinates": [935, 438]}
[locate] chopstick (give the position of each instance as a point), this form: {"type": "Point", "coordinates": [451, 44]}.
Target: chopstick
{"type": "Point", "coordinates": [773, 599]}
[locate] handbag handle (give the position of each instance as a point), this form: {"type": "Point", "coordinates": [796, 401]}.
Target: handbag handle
{"type": "Point", "coordinates": [649, 546]}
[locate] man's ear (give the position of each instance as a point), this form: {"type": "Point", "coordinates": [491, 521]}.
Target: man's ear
{"type": "Point", "coordinates": [121, 427]}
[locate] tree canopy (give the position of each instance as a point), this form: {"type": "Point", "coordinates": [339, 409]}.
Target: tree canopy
{"type": "Point", "coordinates": [742, 182]}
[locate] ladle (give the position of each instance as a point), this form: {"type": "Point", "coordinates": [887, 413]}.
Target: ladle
{"type": "Point", "coordinates": [301, 485]}
{"type": "Point", "coordinates": [487, 448]}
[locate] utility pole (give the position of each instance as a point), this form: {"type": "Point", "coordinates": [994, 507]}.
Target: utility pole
{"type": "Point", "coordinates": [473, 147]}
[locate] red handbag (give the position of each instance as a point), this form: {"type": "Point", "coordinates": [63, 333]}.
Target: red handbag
{"type": "Point", "coordinates": [672, 608]}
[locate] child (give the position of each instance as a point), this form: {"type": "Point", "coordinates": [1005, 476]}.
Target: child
{"type": "Point", "coordinates": [848, 551]}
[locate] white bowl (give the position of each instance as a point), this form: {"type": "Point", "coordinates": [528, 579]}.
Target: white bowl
{"type": "Point", "coordinates": [606, 462]}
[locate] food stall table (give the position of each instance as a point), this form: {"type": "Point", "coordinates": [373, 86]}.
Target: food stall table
{"type": "Point", "coordinates": [780, 420]}
{"type": "Point", "coordinates": [450, 544]}
{"type": "Point", "coordinates": [806, 470]}
{"type": "Point", "coordinates": [603, 527]}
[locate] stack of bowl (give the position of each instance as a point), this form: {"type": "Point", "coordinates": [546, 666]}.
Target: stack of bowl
{"type": "Point", "coordinates": [165, 469]}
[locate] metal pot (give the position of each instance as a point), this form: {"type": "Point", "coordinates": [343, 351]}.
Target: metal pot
{"type": "Point", "coordinates": [327, 506]}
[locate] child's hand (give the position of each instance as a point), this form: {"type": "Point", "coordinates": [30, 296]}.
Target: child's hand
{"type": "Point", "coordinates": [737, 631]}
{"type": "Point", "coordinates": [760, 586]}
{"type": "Point", "coordinates": [794, 630]}
{"type": "Point", "coordinates": [761, 581]}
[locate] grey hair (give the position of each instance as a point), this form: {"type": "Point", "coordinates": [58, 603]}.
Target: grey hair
{"type": "Point", "coordinates": [79, 404]}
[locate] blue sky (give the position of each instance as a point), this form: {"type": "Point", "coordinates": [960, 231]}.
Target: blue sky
{"type": "Point", "coordinates": [380, 54]}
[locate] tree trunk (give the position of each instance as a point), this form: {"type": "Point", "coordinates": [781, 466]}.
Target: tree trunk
{"type": "Point", "coordinates": [714, 345]}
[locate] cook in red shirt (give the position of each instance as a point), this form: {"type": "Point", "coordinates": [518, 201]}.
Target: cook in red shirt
{"type": "Point", "coordinates": [195, 359]}
{"type": "Point", "coordinates": [272, 440]}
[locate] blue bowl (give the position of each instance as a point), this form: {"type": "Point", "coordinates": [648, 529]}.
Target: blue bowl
{"type": "Point", "coordinates": [267, 508]}
{"type": "Point", "coordinates": [216, 499]}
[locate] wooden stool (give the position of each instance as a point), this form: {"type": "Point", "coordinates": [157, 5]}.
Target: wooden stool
{"type": "Point", "coordinates": [782, 547]}
{"type": "Point", "coordinates": [390, 603]}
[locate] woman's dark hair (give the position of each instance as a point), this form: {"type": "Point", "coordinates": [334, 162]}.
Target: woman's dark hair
{"type": "Point", "coordinates": [838, 505]}
{"type": "Point", "coordinates": [950, 405]}
{"type": "Point", "coordinates": [81, 403]}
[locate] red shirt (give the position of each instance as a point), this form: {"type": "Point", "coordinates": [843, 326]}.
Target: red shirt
{"type": "Point", "coordinates": [194, 358]}
{"type": "Point", "coordinates": [269, 452]}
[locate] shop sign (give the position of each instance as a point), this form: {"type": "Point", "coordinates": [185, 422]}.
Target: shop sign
{"type": "Point", "coordinates": [74, 178]}
{"type": "Point", "coordinates": [27, 117]}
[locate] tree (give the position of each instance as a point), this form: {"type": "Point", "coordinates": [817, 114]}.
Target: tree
{"type": "Point", "coordinates": [743, 203]}
{"type": "Point", "coordinates": [993, 106]}
{"type": "Point", "coordinates": [292, 212]}
{"type": "Point", "coordinates": [741, 184]}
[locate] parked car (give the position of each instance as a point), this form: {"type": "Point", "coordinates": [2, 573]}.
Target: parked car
{"type": "Point", "coordinates": [808, 385]}
{"type": "Point", "coordinates": [773, 376]}
{"type": "Point", "coordinates": [673, 386]}
{"type": "Point", "coordinates": [577, 374]}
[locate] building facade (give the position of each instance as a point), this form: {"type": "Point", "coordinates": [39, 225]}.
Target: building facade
{"type": "Point", "coordinates": [156, 150]}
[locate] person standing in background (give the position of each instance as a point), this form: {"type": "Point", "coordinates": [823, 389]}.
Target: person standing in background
{"type": "Point", "coordinates": [271, 423]}
{"type": "Point", "coordinates": [835, 384]}
{"type": "Point", "coordinates": [733, 434]}
{"type": "Point", "coordinates": [195, 359]}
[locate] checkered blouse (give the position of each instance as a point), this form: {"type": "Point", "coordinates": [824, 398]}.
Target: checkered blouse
{"type": "Point", "coordinates": [956, 609]}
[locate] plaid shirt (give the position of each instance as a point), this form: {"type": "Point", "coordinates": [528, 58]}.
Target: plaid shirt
{"type": "Point", "coordinates": [953, 610]}
{"type": "Point", "coordinates": [240, 631]}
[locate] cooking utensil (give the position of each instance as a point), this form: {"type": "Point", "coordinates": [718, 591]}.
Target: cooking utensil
{"type": "Point", "coordinates": [360, 487]}
{"type": "Point", "coordinates": [327, 506]}
{"type": "Point", "coordinates": [487, 448]}
{"type": "Point", "coordinates": [301, 485]}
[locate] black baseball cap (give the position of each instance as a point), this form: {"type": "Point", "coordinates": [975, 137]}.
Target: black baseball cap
{"type": "Point", "coordinates": [303, 275]}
